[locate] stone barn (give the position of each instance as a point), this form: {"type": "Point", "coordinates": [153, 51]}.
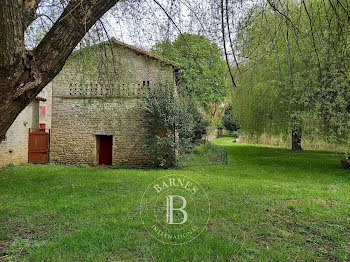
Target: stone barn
{"type": "Point", "coordinates": [97, 112]}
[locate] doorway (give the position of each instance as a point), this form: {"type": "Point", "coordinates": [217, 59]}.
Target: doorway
{"type": "Point", "coordinates": [38, 145]}
{"type": "Point", "coordinates": [105, 150]}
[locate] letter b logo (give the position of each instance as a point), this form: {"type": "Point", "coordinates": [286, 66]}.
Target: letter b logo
{"type": "Point", "coordinates": [170, 209]}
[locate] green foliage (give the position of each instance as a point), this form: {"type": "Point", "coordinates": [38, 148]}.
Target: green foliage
{"type": "Point", "coordinates": [228, 120]}
{"type": "Point", "coordinates": [203, 72]}
{"type": "Point", "coordinates": [206, 154]}
{"type": "Point", "coordinates": [200, 125]}
{"type": "Point", "coordinates": [80, 165]}
{"type": "Point", "coordinates": [170, 126]}
{"type": "Point", "coordinates": [296, 72]}
{"type": "Point", "coordinates": [175, 125]}
{"type": "Point", "coordinates": [7, 166]}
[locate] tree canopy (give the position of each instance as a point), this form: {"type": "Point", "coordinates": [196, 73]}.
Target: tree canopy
{"type": "Point", "coordinates": [295, 70]}
{"type": "Point", "coordinates": [203, 72]}
{"type": "Point", "coordinates": [291, 58]}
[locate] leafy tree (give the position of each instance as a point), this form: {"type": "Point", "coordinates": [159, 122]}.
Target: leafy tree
{"type": "Point", "coordinates": [170, 126]}
{"type": "Point", "coordinates": [295, 76]}
{"type": "Point", "coordinates": [175, 125]}
{"type": "Point", "coordinates": [203, 72]}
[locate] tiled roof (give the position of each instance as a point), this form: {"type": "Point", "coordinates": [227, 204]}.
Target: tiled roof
{"type": "Point", "coordinates": [39, 98]}
{"type": "Point", "coordinates": [146, 53]}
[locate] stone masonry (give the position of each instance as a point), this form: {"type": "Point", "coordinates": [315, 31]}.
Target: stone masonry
{"type": "Point", "coordinates": [100, 91]}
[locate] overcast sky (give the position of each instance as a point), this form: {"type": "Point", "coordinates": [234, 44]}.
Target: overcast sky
{"type": "Point", "coordinates": [144, 23]}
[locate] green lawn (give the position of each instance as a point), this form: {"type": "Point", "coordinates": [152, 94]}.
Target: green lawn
{"type": "Point", "coordinates": [267, 204]}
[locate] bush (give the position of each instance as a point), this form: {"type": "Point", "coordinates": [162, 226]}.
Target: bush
{"type": "Point", "coordinates": [170, 126]}
{"type": "Point", "coordinates": [345, 163]}
{"type": "Point", "coordinates": [228, 120]}
{"type": "Point", "coordinates": [200, 125]}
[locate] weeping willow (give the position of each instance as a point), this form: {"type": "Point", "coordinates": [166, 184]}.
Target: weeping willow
{"type": "Point", "coordinates": [295, 74]}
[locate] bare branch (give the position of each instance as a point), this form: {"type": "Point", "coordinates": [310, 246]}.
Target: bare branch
{"type": "Point", "coordinates": [230, 38]}
{"type": "Point", "coordinates": [224, 41]}
{"type": "Point", "coordinates": [312, 34]}
{"type": "Point", "coordinates": [180, 32]}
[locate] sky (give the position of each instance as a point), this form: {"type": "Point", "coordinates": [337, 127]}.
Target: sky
{"type": "Point", "coordinates": [144, 23]}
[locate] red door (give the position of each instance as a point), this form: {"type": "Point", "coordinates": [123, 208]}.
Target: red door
{"type": "Point", "coordinates": [105, 154]}
{"type": "Point", "coordinates": [38, 146]}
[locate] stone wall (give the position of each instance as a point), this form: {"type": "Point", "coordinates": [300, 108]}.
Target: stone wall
{"type": "Point", "coordinates": [106, 98]}
{"type": "Point", "coordinates": [47, 94]}
{"type": "Point", "coordinates": [15, 148]}
{"type": "Point", "coordinates": [75, 124]}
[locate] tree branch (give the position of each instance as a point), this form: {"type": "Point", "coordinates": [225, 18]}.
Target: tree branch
{"type": "Point", "coordinates": [180, 32]}
{"type": "Point", "coordinates": [25, 74]}
{"type": "Point", "coordinates": [29, 12]}
{"type": "Point", "coordinates": [78, 17]}
{"type": "Point", "coordinates": [224, 41]}
{"type": "Point", "coordinates": [230, 38]}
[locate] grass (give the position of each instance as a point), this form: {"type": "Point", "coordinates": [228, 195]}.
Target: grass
{"type": "Point", "coordinates": [267, 204]}
{"type": "Point", "coordinates": [205, 154]}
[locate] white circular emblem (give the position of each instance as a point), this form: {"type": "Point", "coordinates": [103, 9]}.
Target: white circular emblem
{"type": "Point", "coordinates": [175, 209]}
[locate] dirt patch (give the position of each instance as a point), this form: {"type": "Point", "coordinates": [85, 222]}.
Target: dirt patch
{"type": "Point", "coordinates": [262, 241]}
{"type": "Point", "coordinates": [270, 210]}
{"type": "Point", "coordinates": [22, 232]}
{"type": "Point", "coordinates": [292, 201]}
{"type": "Point", "coordinates": [324, 202]}
{"type": "Point", "coordinates": [4, 244]}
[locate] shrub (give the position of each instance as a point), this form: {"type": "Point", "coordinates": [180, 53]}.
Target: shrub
{"type": "Point", "coordinates": [200, 125]}
{"type": "Point", "coordinates": [170, 126]}
{"type": "Point", "coordinates": [228, 120]}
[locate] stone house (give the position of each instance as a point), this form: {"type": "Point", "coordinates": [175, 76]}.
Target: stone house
{"type": "Point", "coordinates": [14, 148]}
{"type": "Point", "coordinates": [98, 116]}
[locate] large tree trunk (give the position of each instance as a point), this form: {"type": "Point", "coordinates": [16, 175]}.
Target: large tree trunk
{"type": "Point", "coordinates": [24, 74]}
{"type": "Point", "coordinates": [296, 137]}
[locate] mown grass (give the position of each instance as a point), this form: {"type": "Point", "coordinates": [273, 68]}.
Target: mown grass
{"type": "Point", "coordinates": [267, 204]}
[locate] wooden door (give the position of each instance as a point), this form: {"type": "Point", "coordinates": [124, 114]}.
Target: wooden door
{"type": "Point", "coordinates": [105, 152]}
{"type": "Point", "coordinates": [38, 146]}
